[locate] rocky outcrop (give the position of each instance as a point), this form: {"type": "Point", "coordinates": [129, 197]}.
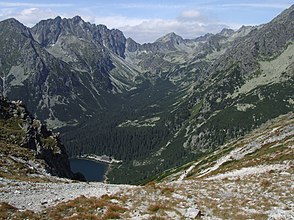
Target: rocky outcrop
{"type": "Point", "coordinates": [48, 32]}
{"type": "Point", "coordinates": [35, 136]}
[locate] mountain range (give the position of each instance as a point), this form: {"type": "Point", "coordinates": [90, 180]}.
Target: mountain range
{"type": "Point", "coordinates": [157, 105]}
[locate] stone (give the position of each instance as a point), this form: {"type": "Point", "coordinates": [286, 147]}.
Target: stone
{"type": "Point", "coordinates": [192, 213]}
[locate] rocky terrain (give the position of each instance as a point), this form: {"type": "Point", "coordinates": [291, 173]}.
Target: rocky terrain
{"type": "Point", "coordinates": [27, 148]}
{"type": "Point", "coordinates": [248, 178]}
{"type": "Point", "coordinates": [37, 196]}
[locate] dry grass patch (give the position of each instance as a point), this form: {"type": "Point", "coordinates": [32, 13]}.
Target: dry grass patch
{"type": "Point", "coordinates": [116, 208]}
{"type": "Point", "coordinates": [257, 216]}
{"type": "Point", "coordinates": [79, 216]}
{"type": "Point", "coordinates": [157, 218]}
{"type": "Point", "coordinates": [265, 183]}
{"type": "Point", "coordinates": [167, 190]}
{"type": "Point", "coordinates": [8, 211]}
{"type": "Point", "coordinates": [93, 208]}
{"type": "Point", "coordinates": [111, 215]}
{"type": "Point", "coordinates": [151, 184]}
{"type": "Point", "coordinates": [156, 207]}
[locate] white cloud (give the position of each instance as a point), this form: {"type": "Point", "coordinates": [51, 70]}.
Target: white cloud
{"type": "Point", "coordinates": [189, 23]}
{"type": "Point", "coordinates": [190, 14]}
{"type": "Point", "coordinates": [28, 16]}
{"type": "Point", "coordinates": [149, 31]}
{"type": "Point", "coordinates": [150, 6]}
{"type": "Point", "coordinates": [115, 21]}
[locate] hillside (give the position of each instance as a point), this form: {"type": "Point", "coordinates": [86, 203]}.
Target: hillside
{"type": "Point", "coordinates": [248, 178]}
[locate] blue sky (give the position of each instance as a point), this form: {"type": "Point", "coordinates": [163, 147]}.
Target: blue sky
{"type": "Point", "coordinates": [145, 21]}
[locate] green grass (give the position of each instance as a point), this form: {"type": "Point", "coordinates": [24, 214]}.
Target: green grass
{"type": "Point", "coordinates": [196, 109]}
{"type": "Point", "coordinates": [50, 143]}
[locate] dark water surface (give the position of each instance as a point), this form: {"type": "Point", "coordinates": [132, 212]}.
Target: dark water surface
{"type": "Point", "coordinates": [92, 170]}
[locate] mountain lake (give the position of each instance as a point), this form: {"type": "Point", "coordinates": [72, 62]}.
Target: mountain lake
{"type": "Point", "coordinates": [92, 170]}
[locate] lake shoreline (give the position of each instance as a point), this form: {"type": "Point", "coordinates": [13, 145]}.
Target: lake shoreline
{"type": "Point", "coordinates": [93, 172]}
{"type": "Point", "coordinates": [102, 159]}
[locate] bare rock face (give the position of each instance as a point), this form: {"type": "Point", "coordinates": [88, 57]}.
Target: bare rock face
{"type": "Point", "coordinates": [35, 136]}
{"type": "Point", "coordinates": [48, 32]}
{"type": "Point", "coordinates": [265, 41]}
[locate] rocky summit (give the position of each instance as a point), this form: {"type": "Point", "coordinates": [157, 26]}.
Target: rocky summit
{"type": "Point", "coordinates": [200, 128]}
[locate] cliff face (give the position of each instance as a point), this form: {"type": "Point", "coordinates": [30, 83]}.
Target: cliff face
{"type": "Point", "coordinates": [48, 32]}
{"type": "Point", "coordinates": [27, 146]}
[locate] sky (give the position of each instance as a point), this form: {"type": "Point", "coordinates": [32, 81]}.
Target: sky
{"type": "Point", "coordinates": [146, 21]}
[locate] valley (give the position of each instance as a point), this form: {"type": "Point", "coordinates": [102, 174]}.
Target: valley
{"type": "Point", "coordinates": [196, 128]}
{"type": "Point", "coordinates": [145, 104]}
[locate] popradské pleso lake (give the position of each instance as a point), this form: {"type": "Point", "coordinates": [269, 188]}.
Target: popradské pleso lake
{"type": "Point", "coordinates": [92, 170]}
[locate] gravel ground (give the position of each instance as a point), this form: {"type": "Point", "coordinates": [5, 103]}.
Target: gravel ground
{"type": "Point", "coordinates": [38, 196]}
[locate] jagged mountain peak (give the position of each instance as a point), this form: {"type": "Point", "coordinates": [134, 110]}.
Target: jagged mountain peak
{"type": "Point", "coordinates": [261, 41]}
{"type": "Point", "coordinates": [170, 37]}
{"type": "Point", "coordinates": [131, 45]}
{"type": "Point", "coordinates": [48, 32]}
{"type": "Point", "coordinates": [226, 32]}
{"type": "Point", "coordinates": [204, 37]}
{"type": "Point", "coordinates": [246, 29]}
{"type": "Point", "coordinates": [13, 23]}
{"type": "Point", "coordinates": [129, 39]}
{"type": "Point", "coordinates": [77, 18]}
{"type": "Point", "coordinates": [13, 36]}
{"type": "Point", "coordinates": [58, 18]}
{"type": "Point", "coordinates": [286, 16]}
